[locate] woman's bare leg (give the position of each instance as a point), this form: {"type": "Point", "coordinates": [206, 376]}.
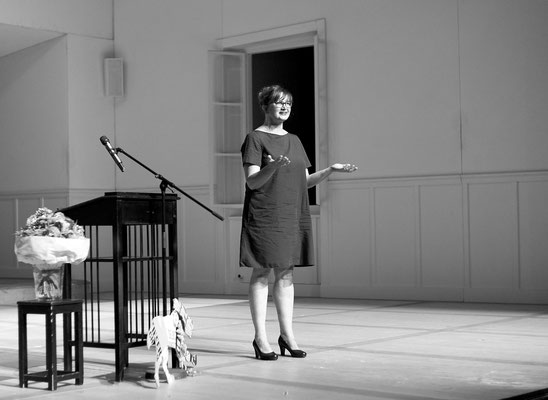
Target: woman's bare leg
{"type": "Point", "coordinates": [258, 300]}
{"type": "Point", "coordinates": [284, 294]}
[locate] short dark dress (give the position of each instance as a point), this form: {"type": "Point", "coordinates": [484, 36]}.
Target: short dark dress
{"type": "Point", "coordinates": [276, 223]}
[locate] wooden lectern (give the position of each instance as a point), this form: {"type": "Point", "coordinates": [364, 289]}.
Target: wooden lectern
{"type": "Point", "coordinates": [133, 254]}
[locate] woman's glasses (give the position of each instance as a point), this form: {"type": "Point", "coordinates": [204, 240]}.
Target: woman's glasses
{"type": "Point", "coordinates": [283, 104]}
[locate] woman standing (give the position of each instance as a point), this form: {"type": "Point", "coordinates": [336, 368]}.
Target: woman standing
{"type": "Point", "coordinates": [276, 225]}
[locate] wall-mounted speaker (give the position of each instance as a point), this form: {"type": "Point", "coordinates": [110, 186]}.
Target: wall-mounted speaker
{"type": "Point", "coordinates": [114, 77]}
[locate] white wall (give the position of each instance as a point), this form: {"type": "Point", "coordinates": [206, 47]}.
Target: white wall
{"type": "Point", "coordinates": [163, 119]}
{"type": "Point", "coordinates": [91, 115]}
{"type": "Point", "coordinates": [34, 112]}
{"type": "Point", "coordinates": [504, 60]}
{"type": "Point", "coordinates": [81, 17]}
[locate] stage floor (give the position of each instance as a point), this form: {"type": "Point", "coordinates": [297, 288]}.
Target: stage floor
{"type": "Point", "coordinates": [357, 349]}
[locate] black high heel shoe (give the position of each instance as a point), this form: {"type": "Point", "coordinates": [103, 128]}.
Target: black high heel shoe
{"type": "Point", "coordinates": [294, 353]}
{"type": "Point", "coordinates": [263, 356]}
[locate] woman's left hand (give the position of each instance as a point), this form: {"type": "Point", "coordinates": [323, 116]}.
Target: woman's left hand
{"type": "Point", "coordinates": [344, 167]}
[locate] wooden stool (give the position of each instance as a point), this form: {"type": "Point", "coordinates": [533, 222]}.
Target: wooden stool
{"type": "Point", "coordinates": [50, 308]}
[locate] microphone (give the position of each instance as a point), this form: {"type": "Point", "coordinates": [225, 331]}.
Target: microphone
{"type": "Point", "coordinates": [112, 152]}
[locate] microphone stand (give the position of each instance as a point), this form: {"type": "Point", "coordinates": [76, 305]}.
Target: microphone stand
{"type": "Point", "coordinates": [164, 184]}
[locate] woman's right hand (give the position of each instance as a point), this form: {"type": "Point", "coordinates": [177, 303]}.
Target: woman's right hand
{"type": "Point", "coordinates": [280, 161]}
{"type": "Point", "coordinates": [256, 176]}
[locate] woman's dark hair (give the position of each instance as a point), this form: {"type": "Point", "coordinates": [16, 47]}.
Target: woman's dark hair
{"type": "Point", "coordinates": [272, 94]}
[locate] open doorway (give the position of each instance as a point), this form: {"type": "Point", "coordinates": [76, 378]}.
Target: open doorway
{"type": "Point", "coordinates": [294, 70]}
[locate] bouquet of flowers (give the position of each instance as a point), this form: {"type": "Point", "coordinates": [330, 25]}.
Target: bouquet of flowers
{"type": "Point", "coordinates": [48, 241]}
{"type": "Point", "coordinates": [45, 222]}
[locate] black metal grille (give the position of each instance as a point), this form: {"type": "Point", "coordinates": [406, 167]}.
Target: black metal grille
{"type": "Point", "coordinates": [145, 277]}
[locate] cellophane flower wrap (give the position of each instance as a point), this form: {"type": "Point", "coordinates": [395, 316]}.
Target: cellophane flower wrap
{"type": "Point", "coordinates": [51, 238]}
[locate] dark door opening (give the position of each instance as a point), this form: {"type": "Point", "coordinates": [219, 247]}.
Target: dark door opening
{"type": "Point", "coordinates": [294, 70]}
